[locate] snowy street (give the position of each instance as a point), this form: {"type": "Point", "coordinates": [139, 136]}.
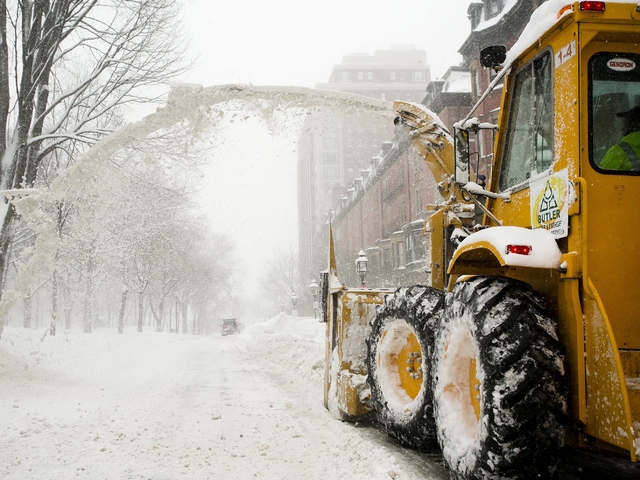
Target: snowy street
{"type": "Point", "coordinates": [164, 406]}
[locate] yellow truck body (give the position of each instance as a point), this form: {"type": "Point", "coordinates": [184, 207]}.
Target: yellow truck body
{"type": "Point", "coordinates": [555, 216]}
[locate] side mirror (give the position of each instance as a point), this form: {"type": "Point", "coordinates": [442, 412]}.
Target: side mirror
{"type": "Point", "coordinates": [493, 57]}
{"type": "Point", "coordinates": [461, 146]}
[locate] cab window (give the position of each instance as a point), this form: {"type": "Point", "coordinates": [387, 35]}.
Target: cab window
{"type": "Point", "coordinates": [529, 141]}
{"type": "Point", "coordinates": [614, 120]}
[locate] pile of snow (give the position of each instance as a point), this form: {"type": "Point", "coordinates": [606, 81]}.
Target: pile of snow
{"type": "Point", "coordinates": [165, 405]}
{"type": "Point", "coordinates": [298, 327]}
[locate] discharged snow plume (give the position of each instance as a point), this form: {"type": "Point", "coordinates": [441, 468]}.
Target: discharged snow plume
{"type": "Point", "coordinates": [194, 113]}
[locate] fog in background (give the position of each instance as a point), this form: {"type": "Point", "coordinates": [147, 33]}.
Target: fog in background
{"type": "Point", "coordinates": [250, 184]}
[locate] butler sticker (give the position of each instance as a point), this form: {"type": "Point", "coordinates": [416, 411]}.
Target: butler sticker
{"type": "Point", "coordinates": [549, 205]}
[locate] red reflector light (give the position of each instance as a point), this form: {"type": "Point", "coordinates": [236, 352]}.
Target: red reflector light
{"type": "Point", "coordinates": [519, 249]}
{"type": "Point", "coordinates": [592, 6]}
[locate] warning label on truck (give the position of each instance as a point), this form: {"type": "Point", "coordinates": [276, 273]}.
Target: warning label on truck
{"type": "Point", "coordinates": [549, 205]}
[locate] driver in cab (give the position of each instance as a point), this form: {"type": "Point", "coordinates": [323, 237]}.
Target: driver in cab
{"type": "Point", "coordinates": [625, 154]}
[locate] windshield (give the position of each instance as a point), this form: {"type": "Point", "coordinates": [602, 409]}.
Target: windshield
{"type": "Point", "coordinates": [529, 146]}
{"type": "Point", "coordinates": [614, 123]}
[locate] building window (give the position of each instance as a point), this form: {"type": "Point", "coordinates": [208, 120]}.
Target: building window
{"type": "Point", "coordinates": [476, 83]}
{"type": "Point", "coordinates": [419, 76]}
{"type": "Point", "coordinates": [342, 76]}
{"type": "Point", "coordinates": [331, 174]}
{"type": "Point", "coordinates": [400, 254]}
{"type": "Point", "coordinates": [383, 96]}
{"type": "Point", "coordinates": [493, 8]}
{"type": "Point", "coordinates": [418, 200]}
{"type": "Point", "coordinates": [386, 259]}
{"type": "Point", "coordinates": [349, 142]}
{"type": "Point", "coordinates": [360, 75]}
{"type": "Point", "coordinates": [408, 247]}
{"type": "Point", "coordinates": [392, 76]}
{"type": "Point", "coordinates": [389, 227]}
{"type": "Point", "coordinates": [330, 128]}
{"type": "Point", "coordinates": [403, 76]}
{"type": "Point", "coordinates": [387, 186]}
{"type": "Point", "coordinates": [331, 158]}
{"type": "Point", "coordinates": [330, 143]}
{"type": "Point", "coordinates": [369, 76]}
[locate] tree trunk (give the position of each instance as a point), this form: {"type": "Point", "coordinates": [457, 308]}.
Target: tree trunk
{"type": "Point", "coordinates": [185, 322]}
{"type": "Point", "coordinates": [68, 303]}
{"type": "Point", "coordinates": [38, 312]}
{"type": "Point", "coordinates": [26, 311]}
{"type": "Point", "coordinates": [6, 235]}
{"type": "Point", "coordinates": [195, 321]}
{"type": "Point", "coordinates": [159, 326]}
{"type": "Point", "coordinates": [54, 302]}
{"type": "Point", "coordinates": [123, 304]}
{"type": "Point", "coordinates": [87, 307]}
{"type": "Point", "coordinates": [157, 315]}
{"type": "Point", "coordinates": [140, 311]}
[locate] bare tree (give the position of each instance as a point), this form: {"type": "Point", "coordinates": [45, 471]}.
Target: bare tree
{"type": "Point", "coordinates": [281, 277]}
{"type": "Point", "coordinates": [65, 67]}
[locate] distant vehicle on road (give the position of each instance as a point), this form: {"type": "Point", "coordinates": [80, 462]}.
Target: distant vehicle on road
{"type": "Point", "coordinates": [230, 326]}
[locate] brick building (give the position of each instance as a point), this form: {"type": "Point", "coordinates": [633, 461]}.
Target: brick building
{"type": "Point", "coordinates": [382, 211]}
{"type": "Point", "coordinates": [336, 147]}
{"type": "Point", "coordinates": [493, 22]}
{"type": "Point", "coordinates": [383, 214]}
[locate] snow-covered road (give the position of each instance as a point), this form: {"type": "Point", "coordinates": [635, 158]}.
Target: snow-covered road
{"type": "Point", "coordinates": [162, 406]}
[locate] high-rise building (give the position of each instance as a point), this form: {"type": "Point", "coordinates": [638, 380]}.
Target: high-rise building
{"type": "Point", "coordinates": [337, 147]}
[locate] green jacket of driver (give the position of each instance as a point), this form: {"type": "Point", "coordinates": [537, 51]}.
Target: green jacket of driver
{"type": "Point", "coordinates": [624, 155]}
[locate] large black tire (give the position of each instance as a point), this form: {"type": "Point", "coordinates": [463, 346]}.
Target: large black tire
{"type": "Point", "coordinates": [399, 364]}
{"type": "Point", "coordinates": [498, 382]}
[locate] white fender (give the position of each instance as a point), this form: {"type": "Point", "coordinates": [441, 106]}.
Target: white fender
{"type": "Point", "coordinates": [498, 247]}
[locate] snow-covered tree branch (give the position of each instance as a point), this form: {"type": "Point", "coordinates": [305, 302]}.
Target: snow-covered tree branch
{"type": "Point", "coordinates": [67, 70]}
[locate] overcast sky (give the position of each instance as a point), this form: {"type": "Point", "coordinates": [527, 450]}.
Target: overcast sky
{"type": "Point", "coordinates": [292, 42]}
{"type": "Point", "coordinates": [297, 42]}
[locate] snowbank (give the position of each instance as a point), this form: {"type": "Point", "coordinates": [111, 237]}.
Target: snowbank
{"type": "Point", "coordinates": [160, 405]}
{"type": "Point", "coordinates": [298, 327]}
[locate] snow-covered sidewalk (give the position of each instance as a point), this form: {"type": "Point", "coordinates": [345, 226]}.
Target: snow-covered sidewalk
{"type": "Point", "coordinates": [165, 406]}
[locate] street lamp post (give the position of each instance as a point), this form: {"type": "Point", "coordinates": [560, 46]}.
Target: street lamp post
{"type": "Point", "coordinates": [361, 267]}
{"type": "Point", "coordinates": [314, 292]}
{"type": "Point", "coordinates": [294, 300]}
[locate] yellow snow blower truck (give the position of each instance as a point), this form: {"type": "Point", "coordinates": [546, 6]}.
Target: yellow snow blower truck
{"type": "Point", "coordinates": [527, 337]}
